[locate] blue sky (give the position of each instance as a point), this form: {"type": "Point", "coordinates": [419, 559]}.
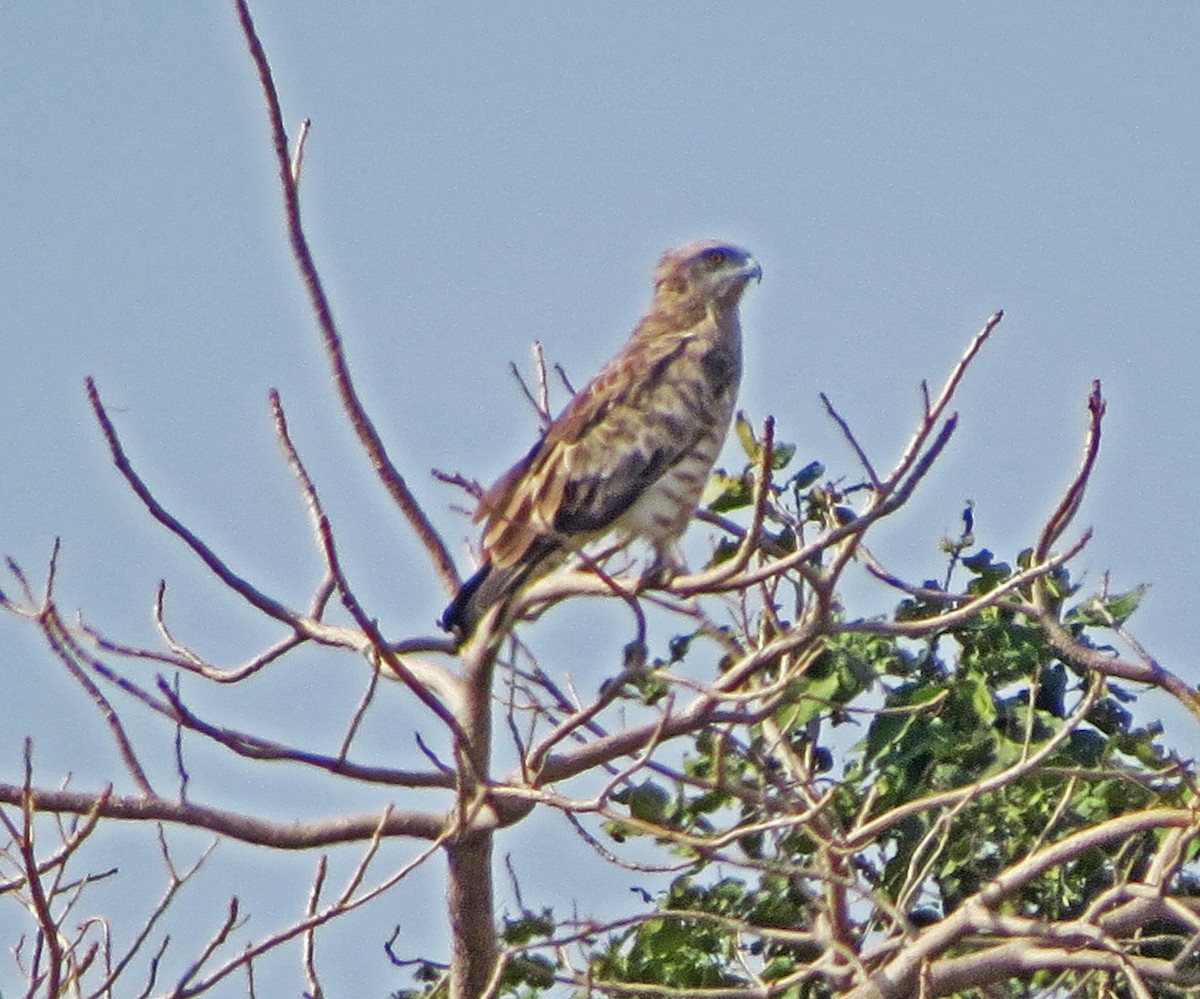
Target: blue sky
{"type": "Point", "coordinates": [479, 178]}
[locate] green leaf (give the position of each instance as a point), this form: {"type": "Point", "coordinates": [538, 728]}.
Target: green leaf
{"type": "Point", "coordinates": [1086, 747]}
{"type": "Point", "coordinates": [989, 572]}
{"type": "Point", "coordinates": [781, 454]}
{"type": "Point", "coordinates": [529, 969]}
{"type": "Point", "coordinates": [746, 437]}
{"type": "Point", "coordinates": [809, 474]}
{"type": "Point", "coordinates": [679, 646]}
{"type": "Point", "coordinates": [648, 801]}
{"type": "Point", "coordinates": [885, 733]}
{"type": "Point", "coordinates": [520, 931]}
{"type": "Point", "coordinates": [726, 492]}
{"type": "Point", "coordinates": [1111, 611]}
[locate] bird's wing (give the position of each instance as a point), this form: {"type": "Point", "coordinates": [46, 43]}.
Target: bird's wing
{"type": "Point", "coordinates": [611, 443]}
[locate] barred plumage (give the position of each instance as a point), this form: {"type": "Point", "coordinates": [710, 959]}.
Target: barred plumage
{"type": "Point", "coordinates": [632, 451]}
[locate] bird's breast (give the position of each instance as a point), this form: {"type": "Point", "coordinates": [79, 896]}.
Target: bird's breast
{"type": "Point", "coordinates": [663, 510]}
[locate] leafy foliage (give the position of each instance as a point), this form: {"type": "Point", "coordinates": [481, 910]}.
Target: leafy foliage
{"type": "Point", "coordinates": [978, 745]}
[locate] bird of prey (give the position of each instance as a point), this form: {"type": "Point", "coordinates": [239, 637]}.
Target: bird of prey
{"type": "Point", "coordinates": [632, 451]}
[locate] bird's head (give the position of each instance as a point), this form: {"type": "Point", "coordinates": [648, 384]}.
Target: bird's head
{"type": "Point", "coordinates": [702, 273]}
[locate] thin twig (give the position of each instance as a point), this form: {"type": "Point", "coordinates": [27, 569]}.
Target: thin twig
{"type": "Point", "coordinates": [853, 441]}
{"type": "Point", "coordinates": [176, 883]}
{"type": "Point", "coordinates": [180, 765]}
{"type": "Point", "coordinates": [359, 714]}
{"type": "Point", "coordinates": [562, 375]}
{"type": "Point", "coordinates": [541, 401]}
{"type": "Point", "coordinates": [1069, 504]}
{"type": "Point", "coordinates": [41, 906]}
{"type": "Point", "coordinates": [310, 935]}
{"type": "Point", "coordinates": [256, 598]}
{"type": "Point", "coordinates": [258, 748]}
{"type": "Point", "coordinates": [470, 486]}
{"type": "Point", "coordinates": [185, 659]}
{"type": "Point", "coordinates": [368, 436]}
{"type": "Point", "coordinates": [298, 155]}
{"type": "Point", "coordinates": [69, 654]}
{"type": "Point", "coordinates": [214, 942]}
{"type": "Point", "coordinates": [324, 533]}
{"type": "Point", "coordinates": [934, 411]}
{"type": "Point", "coordinates": [330, 912]}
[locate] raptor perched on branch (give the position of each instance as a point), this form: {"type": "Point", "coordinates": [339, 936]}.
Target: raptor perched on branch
{"type": "Point", "coordinates": [632, 451]}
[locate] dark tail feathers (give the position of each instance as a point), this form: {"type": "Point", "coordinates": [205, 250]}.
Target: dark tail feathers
{"type": "Point", "coordinates": [491, 586]}
{"type": "Point", "coordinates": [475, 598]}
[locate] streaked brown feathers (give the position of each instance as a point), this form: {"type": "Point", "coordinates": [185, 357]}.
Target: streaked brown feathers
{"type": "Point", "coordinates": [632, 450]}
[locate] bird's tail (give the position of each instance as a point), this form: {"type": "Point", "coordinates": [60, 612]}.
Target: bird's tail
{"type": "Point", "coordinates": [493, 585]}
{"type": "Point", "coordinates": [489, 586]}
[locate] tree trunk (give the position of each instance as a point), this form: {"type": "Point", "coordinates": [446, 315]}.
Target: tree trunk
{"type": "Point", "coordinates": [469, 854]}
{"type": "Point", "coordinates": [469, 887]}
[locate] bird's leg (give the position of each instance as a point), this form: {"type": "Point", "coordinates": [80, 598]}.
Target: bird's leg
{"type": "Point", "coordinates": [668, 563]}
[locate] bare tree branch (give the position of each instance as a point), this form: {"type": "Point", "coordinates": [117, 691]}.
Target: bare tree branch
{"type": "Point", "coordinates": [368, 436]}
{"type": "Point", "coordinates": [297, 835]}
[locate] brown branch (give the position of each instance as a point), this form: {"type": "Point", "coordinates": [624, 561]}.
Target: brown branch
{"type": "Point", "coordinates": [470, 901]}
{"type": "Point", "coordinates": [176, 882]}
{"type": "Point", "coordinates": [908, 474]}
{"type": "Point", "coordinates": [914, 462]}
{"type": "Point", "coordinates": [471, 908]}
{"type": "Point", "coordinates": [309, 627]}
{"type": "Point", "coordinates": [470, 486]}
{"type": "Point", "coordinates": [255, 747]}
{"type": "Point", "coordinates": [933, 412]}
{"type": "Point", "coordinates": [71, 842]}
{"type": "Point", "coordinates": [310, 935]}
{"type": "Point", "coordinates": [214, 942]}
{"type": "Point", "coordinates": [418, 681]}
{"type": "Point", "coordinates": [368, 436]}
{"type": "Point", "coordinates": [340, 907]}
{"type": "Point", "coordinates": [360, 712]}
{"type": "Point", "coordinates": [852, 440]}
{"type": "Point", "coordinates": [565, 379]}
{"type": "Point", "coordinates": [41, 907]}
{"type": "Point", "coordinates": [295, 835]}
{"type": "Point", "coordinates": [1022, 957]}
{"type": "Point", "coordinates": [1069, 504]}
{"type": "Point", "coordinates": [69, 653]}
{"type": "Point", "coordinates": [254, 597]}
{"type": "Point", "coordinates": [533, 761]}
{"type": "Point", "coordinates": [721, 522]}
{"type": "Point", "coordinates": [966, 606]}
{"type": "Point", "coordinates": [1043, 608]}
{"type": "Point", "coordinates": [185, 659]}
{"type": "Point", "coordinates": [247, 745]}
{"type": "Point", "coordinates": [1083, 656]}
{"type": "Point", "coordinates": [700, 713]}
